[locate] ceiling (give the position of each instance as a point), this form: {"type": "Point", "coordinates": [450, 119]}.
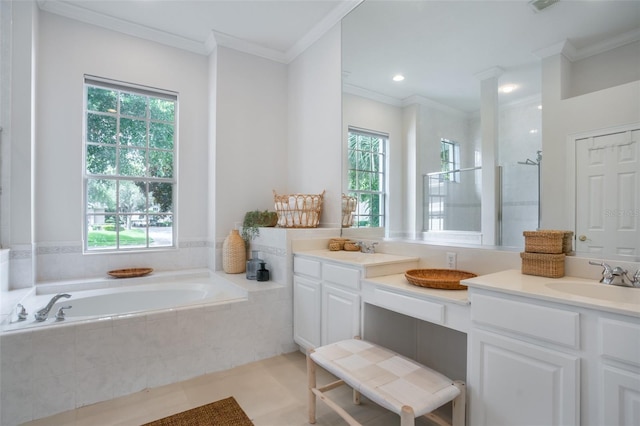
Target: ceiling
{"type": "Point", "coordinates": [440, 46]}
{"type": "Point", "coordinates": [444, 48]}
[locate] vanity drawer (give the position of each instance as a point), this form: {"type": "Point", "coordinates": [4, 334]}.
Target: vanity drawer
{"type": "Point", "coordinates": [347, 277]}
{"type": "Point", "coordinates": [410, 305]}
{"type": "Point", "coordinates": [541, 322]}
{"type": "Point", "coordinates": [306, 266]}
{"type": "Point", "coordinates": [620, 341]}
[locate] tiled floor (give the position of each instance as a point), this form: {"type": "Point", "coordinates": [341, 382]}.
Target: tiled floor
{"type": "Point", "coordinates": [272, 392]}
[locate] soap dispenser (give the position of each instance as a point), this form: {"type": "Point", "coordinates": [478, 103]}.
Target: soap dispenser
{"type": "Point", "coordinates": [253, 265]}
{"type": "Point", "coordinates": [263, 273]}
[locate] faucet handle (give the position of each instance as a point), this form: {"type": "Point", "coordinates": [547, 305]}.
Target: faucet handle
{"type": "Point", "coordinates": [60, 314]}
{"type": "Point", "coordinates": [22, 312]}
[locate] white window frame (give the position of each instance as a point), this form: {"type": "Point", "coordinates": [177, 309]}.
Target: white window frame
{"type": "Point", "coordinates": [103, 83]}
{"type": "Point", "coordinates": [382, 161]}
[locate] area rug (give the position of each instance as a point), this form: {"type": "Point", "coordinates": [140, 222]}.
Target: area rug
{"type": "Point", "coordinates": [225, 412]}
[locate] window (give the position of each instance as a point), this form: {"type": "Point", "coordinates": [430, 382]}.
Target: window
{"type": "Point", "coordinates": [449, 160]}
{"type": "Point", "coordinates": [129, 164]}
{"type": "Point", "coordinates": [366, 156]}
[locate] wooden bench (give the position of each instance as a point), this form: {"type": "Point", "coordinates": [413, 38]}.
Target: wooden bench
{"type": "Point", "coordinates": [392, 381]}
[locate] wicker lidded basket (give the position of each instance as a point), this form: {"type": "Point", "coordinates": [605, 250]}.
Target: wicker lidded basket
{"type": "Point", "coordinates": [445, 279]}
{"type": "Point", "coordinates": [543, 264]}
{"type": "Point", "coordinates": [548, 241]}
{"type": "Point", "coordinates": [298, 210]}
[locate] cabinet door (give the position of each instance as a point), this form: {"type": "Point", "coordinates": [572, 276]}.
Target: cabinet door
{"type": "Point", "coordinates": [514, 382]}
{"type": "Point", "coordinates": [621, 392]}
{"type": "Point", "coordinates": [306, 312]}
{"type": "Point", "coordinates": [340, 314]}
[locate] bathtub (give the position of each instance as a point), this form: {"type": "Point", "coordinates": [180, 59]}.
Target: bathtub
{"type": "Point", "coordinates": [126, 335]}
{"type": "Point", "coordinates": [115, 297]}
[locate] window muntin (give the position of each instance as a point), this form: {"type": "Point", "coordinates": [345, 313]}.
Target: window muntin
{"type": "Point", "coordinates": [366, 155]}
{"type": "Point", "coordinates": [129, 166]}
{"type": "Point", "coordinates": [449, 160]}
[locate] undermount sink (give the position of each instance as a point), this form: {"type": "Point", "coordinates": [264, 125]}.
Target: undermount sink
{"type": "Point", "coordinates": [611, 293]}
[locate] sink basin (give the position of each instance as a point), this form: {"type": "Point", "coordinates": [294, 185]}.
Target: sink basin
{"type": "Point", "coordinates": [611, 293]}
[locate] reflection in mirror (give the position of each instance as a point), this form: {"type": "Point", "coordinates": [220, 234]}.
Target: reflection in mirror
{"type": "Point", "coordinates": [563, 57]}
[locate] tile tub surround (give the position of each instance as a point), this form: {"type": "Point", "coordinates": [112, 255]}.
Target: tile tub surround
{"type": "Point", "coordinates": [47, 370]}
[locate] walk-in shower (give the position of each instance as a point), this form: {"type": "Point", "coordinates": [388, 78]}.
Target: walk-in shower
{"type": "Point", "coordinates": [529, 162]}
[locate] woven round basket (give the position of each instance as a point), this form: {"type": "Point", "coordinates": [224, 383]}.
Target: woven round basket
{"type": "Point", "coordinates": [351, 246]}
{"type": "Point", "coordinates": [130, 272]}
{"type": "Point", "coordinates": [446, 279]}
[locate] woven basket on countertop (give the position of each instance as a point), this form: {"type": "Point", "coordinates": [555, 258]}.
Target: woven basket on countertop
{"type": "Point", "coordinates": [446, 279]}
{"type": "Point", "coordinates": [543, 264]}
{"type": "Point", "coordinates": [298, 210]}
{"type": "Point", "coordinates": [548, 241]}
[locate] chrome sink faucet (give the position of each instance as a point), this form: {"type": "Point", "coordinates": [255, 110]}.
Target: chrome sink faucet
{"type": "Point", "coordinates": [617, 275]}
{"type": "Point", "coordinates": [43, 313]}
{"type": "Point", "coordinates": [367, 247]}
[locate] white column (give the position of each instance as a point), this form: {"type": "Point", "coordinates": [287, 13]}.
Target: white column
{"type": "Point", "coordinates": [489, 114]}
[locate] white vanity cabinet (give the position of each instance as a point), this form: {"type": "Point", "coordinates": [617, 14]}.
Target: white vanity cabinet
{"type": "Point", "coordinates": [307, 301]}
{"type": "Point", "coordinates": [340, 303]}
{"type": "Point", "coordinates": [327, 292]}
{"type": "Point", "coordinates": [523, 363]}
{"type": "Point", "coordinates": [326, 302]}
{"type": "Point", "coordinates": [540, 356]}
{"type": "Point", "coordinates": [619, 368]}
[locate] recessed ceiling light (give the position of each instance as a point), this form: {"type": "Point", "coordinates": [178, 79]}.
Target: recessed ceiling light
{"type": "Point", "coordinates": [398, 77]}
{"type": "Point", "coordinates": [539, 106]}
{"type": "Point", "coordinates": [507, 88]}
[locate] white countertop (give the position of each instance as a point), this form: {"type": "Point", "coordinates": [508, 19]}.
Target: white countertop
{"type": "Point", "coordinates": [594, 295]}
{"type": "Point", "coordinates": [356, 257]}
{"type": "Point", "coordinates": [399, 282]}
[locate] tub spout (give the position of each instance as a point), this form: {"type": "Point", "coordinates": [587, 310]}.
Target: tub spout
{"type": "Point", "coordinates": [43, 313]}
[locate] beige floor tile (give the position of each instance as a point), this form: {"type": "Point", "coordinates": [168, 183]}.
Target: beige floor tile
{"type": "Point", "coordinates": [273, 392]}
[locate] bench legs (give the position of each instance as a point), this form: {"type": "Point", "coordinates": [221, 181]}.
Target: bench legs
{"type": "Point", "coordinates": [311, 382]}
{"type": "Point", "coordinates": [459, 404]}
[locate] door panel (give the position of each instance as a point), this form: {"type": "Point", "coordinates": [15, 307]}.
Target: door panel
{"type": "Point", "coordinates": [607, 198]}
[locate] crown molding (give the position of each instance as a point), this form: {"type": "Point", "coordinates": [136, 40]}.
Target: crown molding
{"type": "Point", "coordinates": [421, 100]}
{"type": "Point", "coordinates": [214, 39]}
{"type": "Point", "coordinates": [226, 40]}
{"type": "Point", "coordinates": [569, 51]}
{"type": "Point", "coordinates": [334, 17]}
{"type": "Point", "coordinates": [120, 25]}
{"type": "Point", "coordinates": [370, 94]}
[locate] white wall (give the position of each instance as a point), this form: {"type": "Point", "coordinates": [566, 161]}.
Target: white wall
{"type": "Point", "coordinates": [613, 106]}
{"type": "Point", "coordinates": [314, 150]}
{"type": "Point", "coordinates": [250, 135]}
{"type": "Point", "coordinates": [68, 49]}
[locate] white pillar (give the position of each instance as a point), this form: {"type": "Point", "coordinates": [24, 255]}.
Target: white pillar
{"type": "Point", "coordinates": [489, 130]}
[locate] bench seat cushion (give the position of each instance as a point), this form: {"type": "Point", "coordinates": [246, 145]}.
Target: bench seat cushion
{"type": "Point", "coordinates": [385, 377]}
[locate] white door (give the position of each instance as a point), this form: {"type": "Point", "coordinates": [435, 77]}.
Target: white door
{"type": "Point", "coordinates": [608, 194]}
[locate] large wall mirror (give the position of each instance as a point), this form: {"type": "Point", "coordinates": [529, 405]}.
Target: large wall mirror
{"type": "Point", "coordinates": [479, 130]}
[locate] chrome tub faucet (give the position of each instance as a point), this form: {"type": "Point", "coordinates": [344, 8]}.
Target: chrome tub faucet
{"type": "Point", "coordinates": [617, 275]}
{"type": "Point", "coordinates": [43, 313]}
